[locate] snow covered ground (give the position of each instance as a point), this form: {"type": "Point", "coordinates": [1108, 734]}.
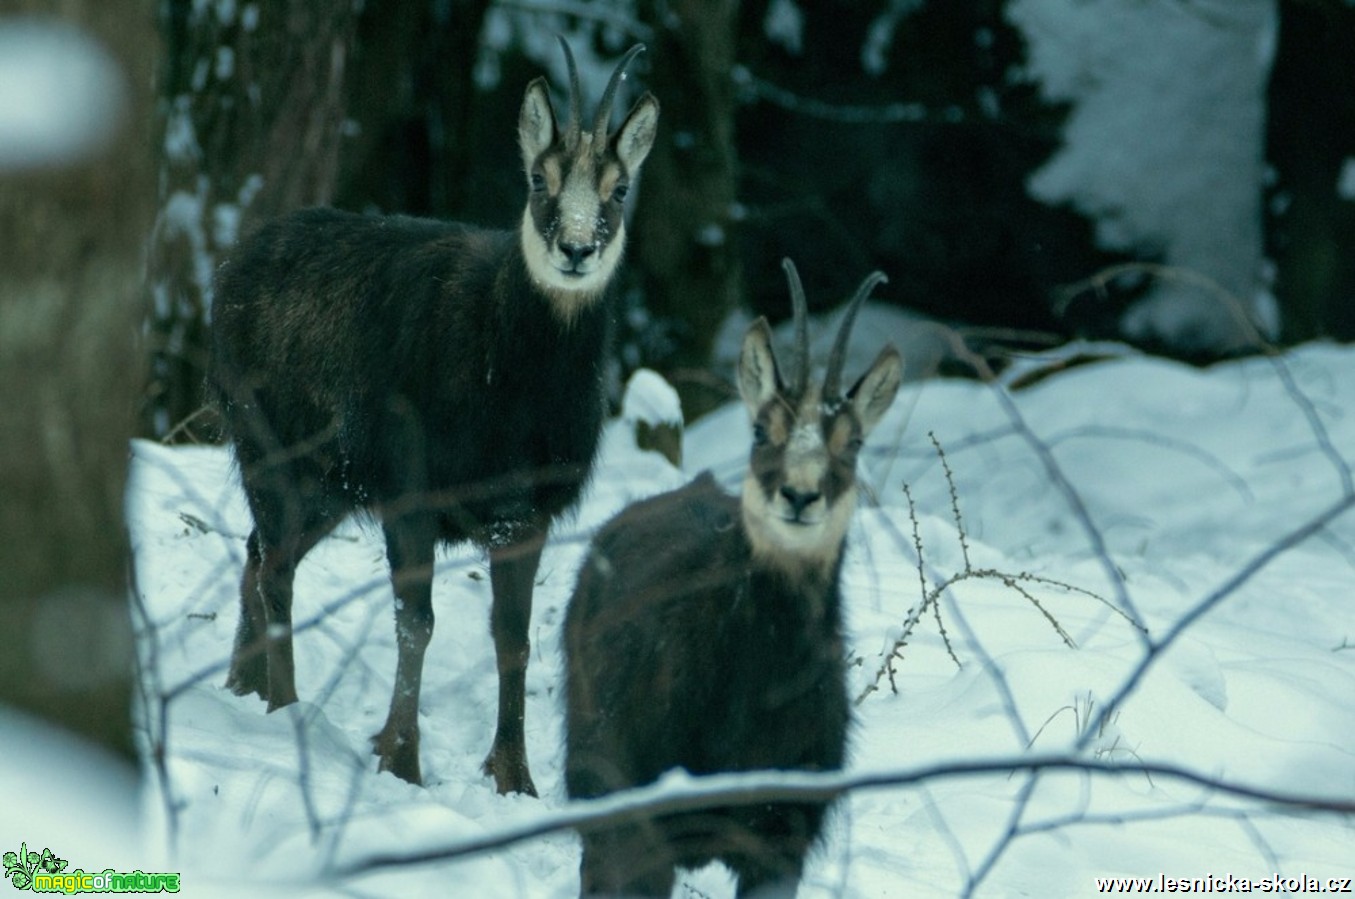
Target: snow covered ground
{"type": "Point", "coordinates": [1187, 476]}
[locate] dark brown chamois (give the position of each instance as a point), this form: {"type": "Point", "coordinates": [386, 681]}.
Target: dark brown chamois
{"type": "Point", "coordinates": [705, 632]}
{"type": "Point", "coordinates": [443, 378]}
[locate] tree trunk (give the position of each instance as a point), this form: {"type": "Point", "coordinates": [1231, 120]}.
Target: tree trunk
{"type": "Point", "coordinates": [252, 108]}
{"type": "Point", "coordinates": [1311, 147]}
{"type": "Point", "coordinates": [71, 371]}
{"type": "Point", "coordinates": [412, 94]}
{"type": "Point", "coordinates": [684, 224]}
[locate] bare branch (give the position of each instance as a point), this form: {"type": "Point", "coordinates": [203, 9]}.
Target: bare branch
{"type": "Point", "coordinates": [888, 114]}
{"type": "Point", "coordinates": [1251, 333]}
{"type": "Point", "coordinates": [1156, 648]}
{"type": "Point", "coordinates": [1208, 459]}
{"type": "Point", "coordinates": [677, 794]}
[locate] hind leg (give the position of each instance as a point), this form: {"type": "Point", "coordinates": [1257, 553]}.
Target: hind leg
{"type": "Point", "coordinates": [410, 546]}
{"type": "Point", "coordinates": [768, 883]}
{"type": "Point", "coordinates": [771, 857]}
{"type": "Point", "coordinates": [261, 661]}
{"type": "Point", "coordinates": [249, 659]}
{"type": "Point", "coordinates": [625, 862]}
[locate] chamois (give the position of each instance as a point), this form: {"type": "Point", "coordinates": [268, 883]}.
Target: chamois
{"type": "Point", "coordinates": [443, 379]}
{"type": "Point", "coordinates": [705, 631]}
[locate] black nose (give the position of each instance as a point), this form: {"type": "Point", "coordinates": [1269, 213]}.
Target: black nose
{"type": "Point", "coordinates": [799, 499]}
{"type": "Point", "coordinates": [577, 253]}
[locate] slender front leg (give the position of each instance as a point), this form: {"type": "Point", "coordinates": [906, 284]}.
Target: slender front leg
{"type": "Point", "coordinates": [512, 572]}
{"type": "Point", "coordinates": [409, 547]}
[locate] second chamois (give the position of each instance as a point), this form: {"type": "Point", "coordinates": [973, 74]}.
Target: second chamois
{"type": "Point", "coordinates": [705, 631]}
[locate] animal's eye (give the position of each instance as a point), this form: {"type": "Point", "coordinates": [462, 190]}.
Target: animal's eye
{"type": "Point", "coordinates": [759, 435]}
{"type": "Point", "coordinates": [538, 182]}
{"type": "Point", "coordinates": [619, 192]}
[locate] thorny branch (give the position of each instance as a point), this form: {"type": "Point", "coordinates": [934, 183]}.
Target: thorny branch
{"type": "Point", "coordinates": [1017, 582]}
{"type": "Point", "coordinates": [1070, 494]}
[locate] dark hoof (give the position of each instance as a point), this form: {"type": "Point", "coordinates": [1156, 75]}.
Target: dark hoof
{"type": "Point", "coordinates": [276, 698]}
{"type": "Point", "coordinates": [249, 673]}
{"type": "Point", "coordinates": [510, 774]}
{"type": "Point", "coordinates": [246, 682]}
{"type": "Point", "coordinates": [398, 756]}
{"type": "Point", "coordinates": [275, 704]}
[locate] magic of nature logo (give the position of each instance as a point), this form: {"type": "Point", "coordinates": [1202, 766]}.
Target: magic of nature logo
{"type": "Point", "coordinates": [43, 872]}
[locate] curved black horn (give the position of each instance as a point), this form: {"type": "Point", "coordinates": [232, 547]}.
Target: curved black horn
{"type": "Point", "coordinates": [604, 115]}
{"type": "Point", "coordinates": [575, 97]}
{"type": "Point", "coordinates": [799, 363]}
{"type": "Point", "coordinates": [833, 378]}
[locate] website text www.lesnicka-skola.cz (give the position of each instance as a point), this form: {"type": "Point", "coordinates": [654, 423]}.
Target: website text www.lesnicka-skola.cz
{"type": "Point", "coordinates": [1224, 883]}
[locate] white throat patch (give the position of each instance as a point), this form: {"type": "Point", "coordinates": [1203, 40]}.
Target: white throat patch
{"type": "Point", "coordinates": [569, 290]}
{"type": "Point", "coordinates": [793, 546]}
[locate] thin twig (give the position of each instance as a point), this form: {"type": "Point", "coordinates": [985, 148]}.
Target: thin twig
{"type": "Point", "coordinates": [954, 499]}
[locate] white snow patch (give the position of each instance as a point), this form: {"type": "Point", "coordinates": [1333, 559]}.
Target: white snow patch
{"type": "Point", "coordinates": [183, 215]}
{"type": "Point", "coordinates": [1194, 663]}
{"type": "Point", "coordinates": [66, 795]}
{"type": "Point", "coordinates": [784, 24]}
{"type": "Point", "coordinates": [225, 63]}
{"type": "Point", "coordinates": [225, 224]}
{"type": "Point", "coordinates": [650, 399]}
{"type": "Point", "coordinates": [253, 183]}
{"type": "Point", "coordinates": [225, 11]}
{"type": "Point", "coordinates": [597, 40]}
{"type": "Point", "coordinates": [1164, 148]}
{"type": "Point", "coordinates": [62, 96]}
{"type": "Point", "coordinates": [1345, 184]}
{"type": "Point", "coordinates": [711, 234]}
{"type": "Point", "coordinates": [181, 139]}
{"type": "Point", "coordinates": [880, 35]}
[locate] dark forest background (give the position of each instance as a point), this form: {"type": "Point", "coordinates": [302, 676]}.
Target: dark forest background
{"type": "Point", "coordinates": [238, 111]}
{"type": "Point", "coordinates": [918, 169]}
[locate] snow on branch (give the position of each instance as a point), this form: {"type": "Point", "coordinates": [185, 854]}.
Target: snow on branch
{"type": "Point", "coordinates": [678, 793]}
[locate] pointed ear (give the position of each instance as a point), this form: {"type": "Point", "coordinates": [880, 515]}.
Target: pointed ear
{"type": "Point", "coordinates": [758, 376]}
{"type": "Point", "coordinates": [536, 122]}
{"type": "Point", "coordinates": [871, 395]}
{"type": "Point", "coordinates": [636, 134]}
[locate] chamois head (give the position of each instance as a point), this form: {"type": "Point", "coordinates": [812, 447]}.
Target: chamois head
{"type": "Point", "coordinates": [800, 489]}
{"type": "Point", "coordinates": [573, 232]}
